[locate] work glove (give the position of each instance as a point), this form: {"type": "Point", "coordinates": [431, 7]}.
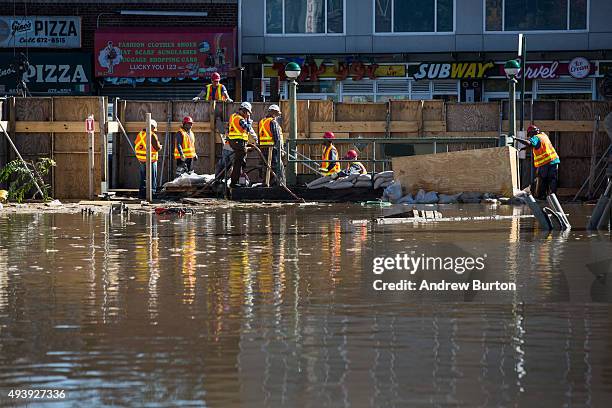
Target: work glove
{"type": "Point", "coordinates": [229, 100]}
{"type": "Point", "coordinates": [182, 157]}
{"type": "Point", "coordinates": [197, 98]}
{"type": "Point", "coordinates": [195, 157]}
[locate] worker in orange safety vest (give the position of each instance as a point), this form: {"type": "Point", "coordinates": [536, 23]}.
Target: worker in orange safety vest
{"type": "Point", "coordinates": [545, 160]}
{"type": "Point", "coordinates": [184, 147]}
{"type": "Point", "coordinates": [140, 147]}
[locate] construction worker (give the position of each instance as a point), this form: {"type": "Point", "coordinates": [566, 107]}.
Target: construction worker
{"type": "Point", "coordinates": [353, 167]}
{"type": "Point", "coordinates": [240, 127]}
{"type": "Point", "coordinates": [329, 164]}
{"type": "Point", "coordinates": [545, 160]}
{"type": "Point", "coordinates": [214, 91]}
{"type": "Point", "coordinates": [184, 147]}
{"type": "Point", "coordinates": [140, 146]}
{"type": "Point", "coordinates": [271, 137]}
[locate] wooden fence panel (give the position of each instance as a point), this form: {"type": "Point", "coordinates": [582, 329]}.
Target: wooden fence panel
{"type": "Point", "coordinates": [71, 149]}
{"type": "Point", "coordinates": [129, 168]}
{"type": "Point", "coordinates": [472, 117]}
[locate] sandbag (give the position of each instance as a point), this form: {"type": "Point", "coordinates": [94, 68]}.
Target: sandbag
{"type": "Point", "coordinates": [359, 183]}
{"type": "Point", "coordinates": [364, 177]}
{"type": "Point", "coordinates": [383, 174]}
{"type": "Point", "coordinates": [320, 180]}
{"type": "Point", "coordinates": [470, 198]}
{"type": "Point", "coordinates": [426, 198]}
{"type": "Point", "coordinates": [448, 199]}
{"type": "Point", "coordinates": [351, 177]}
{"type": "Point", "coordinates": [378, 182]}
{"type": "Point", "coordinates": [407, 199]}
{"type": "Point", "coordinates": [393, 192]}
{"type": "Point", "coordinates": [336, 185]}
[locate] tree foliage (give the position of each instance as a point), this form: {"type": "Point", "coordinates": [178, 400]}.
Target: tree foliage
{"type": "Point", "coordinates": [20, 181]}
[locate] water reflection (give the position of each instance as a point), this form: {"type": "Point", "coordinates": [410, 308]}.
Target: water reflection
{"type": "Point", "coordinates": [274, 307]}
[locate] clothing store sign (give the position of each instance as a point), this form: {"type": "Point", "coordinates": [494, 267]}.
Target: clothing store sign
{"type": "Point", "coordinates": [40, 32]}
{"type": "Point", "coordinates": [164, 52]}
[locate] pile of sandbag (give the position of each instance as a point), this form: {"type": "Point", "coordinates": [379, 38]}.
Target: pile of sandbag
{"type": "Point", "coordinates": [352, 180]}
{"type": "Point", "coordinates": [383, 179]}
{"type": "Point", "coordinates": [190, 180]}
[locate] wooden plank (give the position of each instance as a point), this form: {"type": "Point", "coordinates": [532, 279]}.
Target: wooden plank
{"type": "Point", "coordinates": [466, 134]}
{"type": "Point", "coordinates": [482, 170]}
{"type": "Point", "coordinates": [52, 127]}
{"type": "Point", "coordinates": [71, 169]}
{"type": "Point", "coordinates": [376, 126]}
{"type": "Point", "coordinates": [560, 125]}
{"type": "Point", "coordinates": [135, 127]}
{"type": "Point", "coordinates": [352, 112]}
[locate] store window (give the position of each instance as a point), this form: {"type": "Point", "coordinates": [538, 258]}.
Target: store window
{"type": "Point", "coordinates": [534, 15]}
{"type": "Point", "coordinates": [414, 16]}
{"type": "Point", "coordinates": [305, 16]}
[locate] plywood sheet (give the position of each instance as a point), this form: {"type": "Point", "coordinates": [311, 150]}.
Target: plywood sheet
{"type": "Point", "coordinates": [35, 144]}
{"type": "Point", "coordinates": [353, 112]}
{"type": "Point", "coordinates": [321, 111]}
{"type": "Point", "coordinates": [70, 178]}
{"type": "Point", "coordinates": [482, 170]}
{"type": "Point", "coordinates": [472, 117]}
{"type": "Point", "coordinates": [200, 113]}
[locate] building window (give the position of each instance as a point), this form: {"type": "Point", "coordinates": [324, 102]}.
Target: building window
{"type": "Point", "coordinates": [414, 16]}
{"type": "Point", "coordinates": [304, 16]}
{"type": "Point", "coordinates": [534, 15]}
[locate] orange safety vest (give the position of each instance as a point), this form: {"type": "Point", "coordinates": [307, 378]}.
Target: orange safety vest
{"type": "Point", "coordinates": [140, 145]}
{"type": "Point", "coordinates": [236, 132]}
{"type": "Point", "coordinates": [326, 158]}
{"type": "Point", "coordinates": [209, 93]}
{"type": "Point", "coordinates": [362, 169]}
{"type": "Point", "coordinates": [545, 153]}
{"type": "Point", "coordinates": [188, 145]}
{"type": "Point", "coordinates": [265, 132]}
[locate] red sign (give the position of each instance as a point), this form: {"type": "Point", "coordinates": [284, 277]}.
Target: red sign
{"type": "Point", "coordinates": [89, 124]}
{"type": "Point", "coordinates": [164, 52]}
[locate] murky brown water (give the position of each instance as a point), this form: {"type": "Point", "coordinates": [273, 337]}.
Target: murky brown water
{"type": "Point", "coordinates": [240, 307]}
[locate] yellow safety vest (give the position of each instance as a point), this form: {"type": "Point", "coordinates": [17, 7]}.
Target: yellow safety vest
{"type": "Point", "coordinates": [362, 169]}
{"type": "Point", "coordinates": [140, 145]}
{"type": "Point", "coordinates": [265, 132]}
{"type": "Point", "coordinates": [209, 93]}
{"type": "Point", "coordinates": [326, 158]}
{"type": "Point", "coordinates": [545, 153]}
{"type": "Point", "coordinates": [188, 145]}
{"type": "Point", "coordinates": [236, 132]}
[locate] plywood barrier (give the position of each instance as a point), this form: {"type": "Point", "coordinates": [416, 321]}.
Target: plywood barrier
{"type": "Point", "coordinates": [484, 170]}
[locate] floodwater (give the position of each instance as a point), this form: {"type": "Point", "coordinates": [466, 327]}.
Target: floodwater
{"type": "Point", "coordinates": [275, 307]}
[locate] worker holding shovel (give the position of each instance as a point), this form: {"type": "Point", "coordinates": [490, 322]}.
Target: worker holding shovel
{"type": "Point", "coordinates": [271, 143]}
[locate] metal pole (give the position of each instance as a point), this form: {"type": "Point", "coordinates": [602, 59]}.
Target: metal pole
{"type": "Point", "coordinates": [149, 169]}
{"type": "Point", "coordinates": [292, 168]}
{"type": "Point", "coordinates": [523, 79]}
{"type": "Point", "coordinates": [512, 109]}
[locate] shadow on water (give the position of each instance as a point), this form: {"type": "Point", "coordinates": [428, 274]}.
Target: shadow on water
{"type": "Point", "coordinates": [255, 307]}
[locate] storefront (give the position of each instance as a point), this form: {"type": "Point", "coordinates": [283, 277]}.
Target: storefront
{"type": "Point", "coordinates": [48, 73]}
{"type": "Point", "coordinates": [163, 63]}
{"type": "Point", "coordinates": [350, 80]}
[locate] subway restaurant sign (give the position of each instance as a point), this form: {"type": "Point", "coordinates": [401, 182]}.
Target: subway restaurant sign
{"type": "Point", "coordinates": [40, 32]}
{"type": "Point", "coordinates": [451, 70]}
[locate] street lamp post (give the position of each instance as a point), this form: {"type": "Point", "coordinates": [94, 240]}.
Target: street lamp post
{"type": "Point", "coordinates": [512, 69]}
{"type": "Point", "coordinates": [292, 71]}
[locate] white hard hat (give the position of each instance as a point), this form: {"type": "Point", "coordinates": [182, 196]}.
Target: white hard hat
{"type": "Point", "coordinates": [274, 108]}
{"type": "Point", "coordinates": [246, 106]}
{"type": "Point", "coordinates": [153, 123]}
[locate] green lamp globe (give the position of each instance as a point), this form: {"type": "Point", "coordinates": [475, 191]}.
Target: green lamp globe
{"type": "Point", "coordinates": [512, 68]}
{"type": "Point", "coordinates": [292, 70]}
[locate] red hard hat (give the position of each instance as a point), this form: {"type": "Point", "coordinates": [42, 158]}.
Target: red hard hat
{"type": "Point", "coordinates": [351, 154]}
{"type": "Point", "coordinates": [329, 135]}
{"type": "Point", "coordinates": [215, 76]}
{"type": "Point", "coordinates": [533, 130]}
{"type": "Point", "coordinates": [187, 119]}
